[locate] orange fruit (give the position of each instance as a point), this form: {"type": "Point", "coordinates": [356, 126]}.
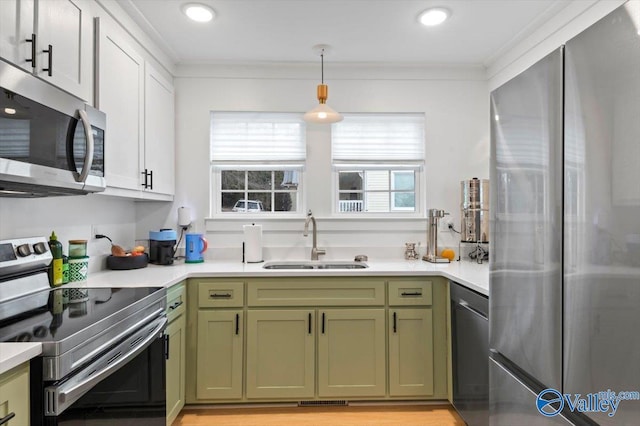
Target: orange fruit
{"type": "Point", "coordinates": [448, 254]}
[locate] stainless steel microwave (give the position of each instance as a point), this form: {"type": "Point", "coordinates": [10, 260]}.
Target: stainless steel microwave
{"type": "Point", "coordinates": [51, 143]}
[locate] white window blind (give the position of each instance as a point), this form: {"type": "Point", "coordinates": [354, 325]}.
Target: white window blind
{"type": "Point", "coordinates": [257, 137]}
{"type": "Point", "coordinates": [381, 140]}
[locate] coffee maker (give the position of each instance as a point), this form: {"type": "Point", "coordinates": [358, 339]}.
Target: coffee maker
{"type": "Point", "coordinates": [162, 246]}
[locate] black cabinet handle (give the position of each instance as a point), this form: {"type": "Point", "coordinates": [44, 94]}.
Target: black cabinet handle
{"type": "Point", "coordinates": [323, 323]}
{"type": "Point", "coordinates": [220, 296]}
{"type": "Point", "coordinates": [237, 324]}
{"type": "Point", "coordinates": [416, 293]}
{"type": "Point", "coordinates": [49, 68]}
{"type": "Point", "coordinates": [309, 322]}
{"type": "Point", "coordinates": [6, 418]}
{"type": "Point", "coordinates": [395, 322]}
{"type": "Point", "coordinates": [146, 179]}
{"type": "Point", "coordinates": [150, 179]}
{"type": "Point", "coordinates": [175, 305]}
{"type": "Point", "coordinates": [166, 346]}
{"type": "Point", "coordinates": [32, 40]}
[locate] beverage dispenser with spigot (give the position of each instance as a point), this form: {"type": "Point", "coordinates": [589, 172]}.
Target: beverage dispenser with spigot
{"type": "Point", "coordinates": [432, 237]}
{"type": "Point", "coordinates": [474, 209]}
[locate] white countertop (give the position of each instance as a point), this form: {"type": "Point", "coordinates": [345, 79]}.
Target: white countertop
{"type": "Point", "coordinates": [470, 274]}
{"type": "Point", "coordinates": [13, 354]}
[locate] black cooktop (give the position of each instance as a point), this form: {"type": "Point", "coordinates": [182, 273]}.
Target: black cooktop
{"type": "Point", "coordinates": [55, 314]}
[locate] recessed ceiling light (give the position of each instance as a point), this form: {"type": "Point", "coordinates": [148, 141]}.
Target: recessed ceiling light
{"type": "Point", "coordinates": [198, 12]}
{"type": "Point", "coordinates": [434, 16]}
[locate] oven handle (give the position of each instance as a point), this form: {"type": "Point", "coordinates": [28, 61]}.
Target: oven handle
{"type": "Point", "coordinates": [59, 398]}
{"type": "Point", "coordinates": [111, 342]}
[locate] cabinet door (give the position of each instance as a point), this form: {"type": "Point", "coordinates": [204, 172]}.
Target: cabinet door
{"type": "Point", "coordinates": [121, 97]}
{"type": "Point", "coordinates": [410, 352]}
{"type": "Point", "coordinates": [351, 353]}
{"type": "Point", "coordinates": [14, 395]}
{"type": "Point", "coordinates": [159, 152]}
{"type": "Point", "coordinates": [176, 367]}
{"type": "Point", "coordinates": [66, 25]}
{"type": "Point", "coordinates": [280, 354]}
{"type": "Point", "coordinates": [16, 26]}
{"type": "Point", "coordinates": [219, 354]}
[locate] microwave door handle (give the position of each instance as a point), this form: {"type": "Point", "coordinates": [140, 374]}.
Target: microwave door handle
{"type": "Point", "coordinates": [88, 155]}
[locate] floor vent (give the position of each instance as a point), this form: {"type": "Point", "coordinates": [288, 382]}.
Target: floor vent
{"type": "Point", "coordinates": [333, 403]}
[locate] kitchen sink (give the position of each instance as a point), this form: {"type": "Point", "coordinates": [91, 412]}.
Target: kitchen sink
{"type": "Point", "coordinates": [315, 265]}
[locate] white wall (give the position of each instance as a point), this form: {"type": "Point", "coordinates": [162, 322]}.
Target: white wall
{"type": "Point", "coordinates": [72, 219]}
{"type": "Point", "coordinates": [455, 101]}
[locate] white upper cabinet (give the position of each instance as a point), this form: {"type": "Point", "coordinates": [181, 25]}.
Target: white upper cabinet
{"type": "Point", "coordinates": [65, 45]}
{"type": "Point", "coordinates": [121, 97]}
{"type": "Point", "coordinates": [159, 152]}
{"type": "Point", "coordinates": [139, 103]}
{"type": "Point", "coordinates": [16, 32]}
{"type": "Point", "coordinates": [59, 33]}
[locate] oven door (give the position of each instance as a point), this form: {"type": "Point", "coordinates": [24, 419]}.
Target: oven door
{"type": "Point", "coordinates": [127, 384]}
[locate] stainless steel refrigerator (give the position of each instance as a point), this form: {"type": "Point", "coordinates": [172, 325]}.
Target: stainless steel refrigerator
{"type": "Point", "coordinates": [565, 210]}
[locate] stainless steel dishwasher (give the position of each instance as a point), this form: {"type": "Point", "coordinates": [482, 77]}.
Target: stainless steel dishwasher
{"type": "Point", "coordinates": [470, 354]}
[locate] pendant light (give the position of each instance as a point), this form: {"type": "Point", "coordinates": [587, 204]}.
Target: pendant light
{"type": "Point", "coordinates": [323, 113]}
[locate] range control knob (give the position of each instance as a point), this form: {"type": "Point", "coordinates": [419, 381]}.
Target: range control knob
{"type": "Point", "coordinates": [40, 248]}
{"type": "Point", "coordinates": [24, 250]}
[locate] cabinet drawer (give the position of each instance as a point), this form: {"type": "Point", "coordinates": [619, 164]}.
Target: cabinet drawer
{"type": "Point", "coordinates": [14, 395]}
{"type": "Point", "coordinates": [316, 292]}
{"type": "Point", "coordinates": [219, 294]}
{"type": "Point", "coordinates": [410, 292]}
{"type": "Point", "coordinates": [176, 301]}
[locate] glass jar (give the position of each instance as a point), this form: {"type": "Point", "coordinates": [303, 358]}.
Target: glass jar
{"type": "Point", "coordinates": [77, 249]}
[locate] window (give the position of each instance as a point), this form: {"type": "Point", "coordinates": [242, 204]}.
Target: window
{"type": "Point", "coordinates": [376, 191]}
{"type": "Point", "coordinates": [257, 161]}
{"type": "Point", "coordinates": [378, 159]}
{"type": "Point", "coordinates": [253, 191]}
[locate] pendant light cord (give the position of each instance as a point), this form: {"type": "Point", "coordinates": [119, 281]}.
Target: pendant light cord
{"type": "Point", "coordinates": [322, 66]}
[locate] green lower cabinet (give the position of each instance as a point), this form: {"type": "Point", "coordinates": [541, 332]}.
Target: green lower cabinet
{"type": "Point", "coordinates": [176, 367]}
{"type": "Point", "coordinates": [14, 396]}
{"type": "Point", "coordinates": [411, 352]}
{"type": "Point", "coordinates": [280, 354]}
{"type": "Point", "coordinates": [351, 353]}
{"type": "Point", "coordinates": [219, 354]}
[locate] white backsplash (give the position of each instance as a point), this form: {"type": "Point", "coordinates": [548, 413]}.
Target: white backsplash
{"type": "Point", "coordinates": [72, 218]}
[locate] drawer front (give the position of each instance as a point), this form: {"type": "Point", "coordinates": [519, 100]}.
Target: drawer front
{"type": "Point", "coordinates": [176, 301]}
{"type": "Point", "coordinates": [316, 292]}
{"type": "Point", "coordinates": [220, 294]}
{"type": "Point", "coordinates": [410, 292]}
{"type": "Point", "coordinates": [14, 395]}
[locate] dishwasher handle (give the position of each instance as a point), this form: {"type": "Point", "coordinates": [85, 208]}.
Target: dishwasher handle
{"type": "Point", "coordinates": [473, 310]}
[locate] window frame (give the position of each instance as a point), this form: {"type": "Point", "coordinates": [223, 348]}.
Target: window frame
{"type": "Point", "coordinates": [216, 199]}
{"type": "Point", "coordinates": [397, 212]}
{"type": "Point", "coordinates": [345, 162]}
{"type": "Point", "coordinates": [291, 159]}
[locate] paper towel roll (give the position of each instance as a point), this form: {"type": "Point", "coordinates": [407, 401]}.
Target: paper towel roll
{"type": "Point", "coordinates": [184, 216]}
{"type": "Point", "coordinates": [252, 243]}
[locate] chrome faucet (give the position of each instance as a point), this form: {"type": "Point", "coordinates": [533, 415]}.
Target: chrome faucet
{"type": "Point", "coordinates": [314, 250]}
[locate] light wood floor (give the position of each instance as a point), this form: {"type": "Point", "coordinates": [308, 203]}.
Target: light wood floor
{"type": "Point", "coordinates": [404, 415]}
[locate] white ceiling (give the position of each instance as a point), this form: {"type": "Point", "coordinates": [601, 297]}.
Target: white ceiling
{"type": "Point", "coordinates": [369, 31]}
